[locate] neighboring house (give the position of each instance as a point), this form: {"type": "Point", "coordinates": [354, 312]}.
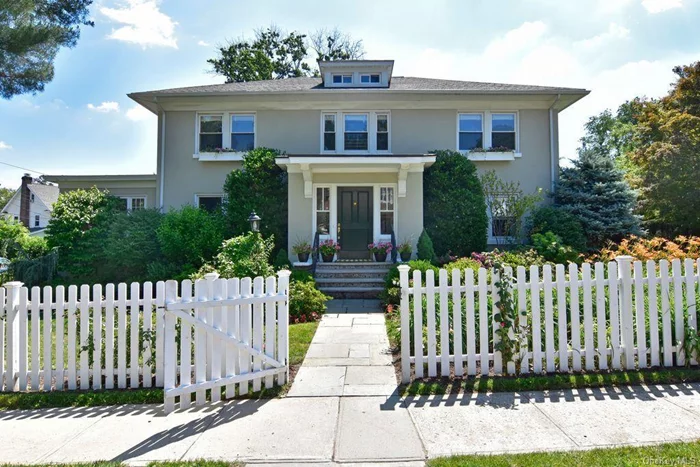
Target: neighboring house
{"type": "Point", "coordinates": [356, 142]}
{"type": "Point", "coordinates": [32, 204]}
{"type": "Point", "coordinates": [136, 191]}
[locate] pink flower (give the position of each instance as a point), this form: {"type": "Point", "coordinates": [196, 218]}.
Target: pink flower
{"type": "Point", "coordinates": [503, 325]}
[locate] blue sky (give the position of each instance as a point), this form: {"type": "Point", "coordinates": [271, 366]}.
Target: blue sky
{"type": "Point", "coordinates": [84, 123]}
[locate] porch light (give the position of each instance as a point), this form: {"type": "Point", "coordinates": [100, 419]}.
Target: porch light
{"type": "Point", "coordinates": [254, 220]}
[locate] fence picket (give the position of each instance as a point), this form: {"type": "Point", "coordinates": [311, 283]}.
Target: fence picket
{"type": "Point", "coordinates": [522, 318]}
{"type": "Point", "coordinates": [457, 321]}
{"type": "Point", "coordinates": [601, 317]}
{"type": "Point", "coordinates": [232, 292]}
{"type": "Point", "coordinates": [4, 312]}
{"type": "Point", "coordinates": [121, 336]}
{"type": "Point", "coordinates": [575, 313]}
{"type": "Point", "coordinates": [548, 318]}
{"type": "Point", "coordinates": [614, 315]}
{"type": "Point", "coordinates": [23, 338]}
{"type": "Point", "coordinates": [283, 338]}
{"type": "Point", "coordinates": [169, 350]}
{"type": "Point", "coordinates": [216, 293]}
{"type": "Point", "coordinates": [561, 318]}
{"type": "Point", "coordinates": [245, 324]}
{"type": "Point", "coordinates": [653, 312]}
{"type": "Point", "coordinates": [678, 317]}
{"type": "Point", "coordinates": [444, 326]}
{"type": "Point", "coordinates": [109, 336]}
{"type": "Point", "coordinates": [84, 340]}
{"type": "Point", "coordinates": [483, 322]}
{"type": "Point", "coordinates": [148, 354]}
{"type": "Point", "coordinates": [471, 328]}
{"type": "Point", "coordinates": [258, 284]}
{"type": "Point", "coordinates": [186, 345]}
{"type": "Point", "coordinates": [640, 317]}
{"type": "Point", "coordinates": [536, 319]}
{"type": "Point", "coordinates": [36, 338]}
{"type": "Point", "coordinates": [418, 351]}
{"type": "Point", "coordinates": [97, 337]}
{"type": "Point", "coordinates": [200, 342]}
{"type": "Point", "coordinates": [589, 351]}
{"type": "Point", "coordinates": [47, 322]}
{"type": "Point", "coordinates": [160, 330]}
{"type": "Point", "coordinates": [690, 291]}
{"type": "Point", "coordinates": [134, 343]}
{"type": "Point", "coordinates": [430, 309]}
{"type": "Point", "coordinates": [667, 334]}
{"type": "Point", "coordinates": [495, 298]}
{"type": "Point", "coordinates": [270, 325]}
{"type": "Point", "coordinates": [72, 336]}
{"type": "Point", "coordinates": [60, 336]}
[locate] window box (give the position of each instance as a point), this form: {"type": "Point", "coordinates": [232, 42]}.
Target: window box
{"type": "Point", "coordinates": [492, 155]}
{"type": "Point", "coordinates": [219, 156]}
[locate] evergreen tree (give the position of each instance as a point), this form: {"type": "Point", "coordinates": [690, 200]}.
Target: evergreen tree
{"type": "Point", "coordinates": [595, 191]}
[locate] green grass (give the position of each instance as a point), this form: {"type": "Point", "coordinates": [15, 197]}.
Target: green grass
{"type": "Point", "coordinates": [664, 454]}
{"type": "Point", "coordinates": [300, 336]}
{"type": "Point", "coordinates": [196, 463]}
{"type": "Point", "coordinates": [550, 382]}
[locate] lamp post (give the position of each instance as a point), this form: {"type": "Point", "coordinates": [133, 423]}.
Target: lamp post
{"type": "Point", "coordinates": [254, 220]}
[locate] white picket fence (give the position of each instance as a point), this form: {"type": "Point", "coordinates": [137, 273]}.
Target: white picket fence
{"type": "Point", "coordinates": [624, 314]}
{"type": "Point", "coordinates": [95, 337]}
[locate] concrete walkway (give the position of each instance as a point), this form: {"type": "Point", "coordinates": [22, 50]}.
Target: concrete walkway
{"type": "Point", "coordinates": [342, 409]}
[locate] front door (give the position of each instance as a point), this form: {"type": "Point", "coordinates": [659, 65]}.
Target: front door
{"type": "Point", "coordinates": [354, 222]}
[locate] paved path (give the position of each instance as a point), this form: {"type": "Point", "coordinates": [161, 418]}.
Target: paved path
{"type": "Point", "coordinates": [341, 409]}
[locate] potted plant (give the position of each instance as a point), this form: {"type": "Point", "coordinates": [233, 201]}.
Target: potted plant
{"type": "Point", "coordinates": [405, 251]}
{"type": "Point", "coordinates": [302, 249]}
{"type": "Point", "coordinates": [380, 250]}
{"type": "Point", "coordinates": [328, 249]}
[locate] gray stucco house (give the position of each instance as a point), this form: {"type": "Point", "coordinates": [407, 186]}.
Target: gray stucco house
{"type": "Point", "coordinates": [355, 141]}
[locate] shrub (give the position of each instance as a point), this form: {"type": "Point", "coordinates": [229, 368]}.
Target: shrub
{"type": "Point", "coordinates": [454, 210]}
{"type": "Point", "coordinates": [561, 223]}
{"type": "Point", "coordinates": [551, 248]}
{"type": "Point", "coordinates": [282, 260]}
{"type": "Point", "coordinates": [32, 247]}
{"type": "Point", "coordinates": [245, 256]}
{"type": "Point", "coordinates": [131, 244]}
{"type": "Point", "coordinates": [188, 238]}
{"type": "Point", "coordinates": [391, 294]}
{"type": "Point", "coordinates": [656, 249]}
{"type": "Point", "coordinates": [306, 302]}
{"type": "Point", "coordinates": [16, 243]}
{"type": "Point", "coordinates": [299, 275]}
{"type": "Point", "coordinates": [461, 264]}
{"type": "Point", "coordinates": [424, 248]}
{"type": "Point", "coordinates": [512, 258]}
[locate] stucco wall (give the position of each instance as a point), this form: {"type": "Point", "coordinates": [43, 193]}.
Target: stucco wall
{"type": "Point", "coordinates": [410, 220]}
{"type": "Point", "coordinates": [300, 213]}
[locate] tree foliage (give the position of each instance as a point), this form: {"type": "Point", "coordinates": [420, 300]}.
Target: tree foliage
{"type": "Point", "coordinates": [131, 244]}
{"type": "Point", "coordinates": [333, 44]}
{"type": "Point", "coordinates": [5, 195]}
{"type": "Point", "coordinates": [31, 34]}
{"type": "Point", "coordinates": [245, 256]}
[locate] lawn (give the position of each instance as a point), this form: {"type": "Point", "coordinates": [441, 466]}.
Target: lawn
{"type": "Point", "coordinates": [300, 336]}
{"type": "Point", "coordinates": [664, 454]}
{"type": "Point", "coordinates": [196, 463]}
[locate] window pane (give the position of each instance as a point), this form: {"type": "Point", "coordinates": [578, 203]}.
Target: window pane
{"type": "Point", "coordinates": [364, 79]}
{"type": "Point", "coordinates": [323, 199]}
{"type": "Point", "coordinates": [138, 203]}
{"type": "Point", "coordinates": [209, 203]}
{"type": "Point", "coordinates": [506, 140]}
{"type": "Point", "coordinates": [355, 141]}
{"type": "Point", "coordinates": [122, 204]}
{"type": "Point", "coordinates": [322, 222]}
{"type": "Point", "coordinates": [469, 141]}
{"type": "Point", "coordinates": [503, 122]}
{"type": "Point", "coordinates": [382, 141]}
{"type": "Point", "coordinates": [329, 123]}
{"type": "Point", "coordinates": [356, 123]}
{"type": "Point", "coordinates": [470, 122]}
{"type": "Point", "coordinates": [242, 142]}
{"type": "Point", "coordinates": [387, 222]}
{"type": "Point", "coordinates": [347, 79]}
{"type": "Point", "coordinates": [329, 141]}
{"type": "Point", "coordinates": [337, 79]}
{"type": "Point", "coordinates": [209, 142]}
{"type": "Point", "coordinates": [242, 124]}
{"type": "Point", "coordinates": [210, 124]}
{"type": "Point", "coordinates": [382, 123]}
{"type": "Point", "coordinates": [374, 78]}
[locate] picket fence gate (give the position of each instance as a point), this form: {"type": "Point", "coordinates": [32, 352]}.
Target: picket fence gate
{"type": "Point", "coordinates": [592, 317]}
{"type": "Point", "coordinates": [124, 336]}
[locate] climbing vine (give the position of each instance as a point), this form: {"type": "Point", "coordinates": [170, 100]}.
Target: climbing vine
{"type": "Point", "coordinates": [506, 317]}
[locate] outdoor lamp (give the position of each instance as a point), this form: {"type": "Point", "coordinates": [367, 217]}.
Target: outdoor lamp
{"type": "Point", "coordinates": [254, 220]}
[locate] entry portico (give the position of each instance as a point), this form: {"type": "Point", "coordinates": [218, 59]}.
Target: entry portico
{"type": "Point", "coordinates": [355, 200]}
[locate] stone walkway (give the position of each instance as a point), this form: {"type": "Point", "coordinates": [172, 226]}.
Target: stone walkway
{"type": "Point", "coordinates": [342, 408]}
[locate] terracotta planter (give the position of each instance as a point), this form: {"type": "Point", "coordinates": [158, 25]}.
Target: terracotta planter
{"type": "Point", "coordinates": [303, 257]}
{"type": "Point", "coordinates": [406, 256]}
{"type": "Point", "coordinates": [380, 257]}
{"type": "Point", "coordinates": [327, 258]}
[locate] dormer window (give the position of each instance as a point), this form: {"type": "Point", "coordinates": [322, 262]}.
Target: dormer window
{"type": "Point", "coordinates": [369, 78]}
{"type": "Point", "coordinates": [342, 79]}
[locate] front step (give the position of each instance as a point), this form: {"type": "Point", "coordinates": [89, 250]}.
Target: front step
{"type": "Point", "coordinates": [352, 292]}
{"type": "Point", "coordinates": [352, 279]}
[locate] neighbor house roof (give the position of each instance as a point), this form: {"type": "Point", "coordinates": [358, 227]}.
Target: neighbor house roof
{"type": "Point", "coordinates": [48, 194]}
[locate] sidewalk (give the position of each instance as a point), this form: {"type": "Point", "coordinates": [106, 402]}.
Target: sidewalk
{"type": "Point", "coordinates": [342, 408]}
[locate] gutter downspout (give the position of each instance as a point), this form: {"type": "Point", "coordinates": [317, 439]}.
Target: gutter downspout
{"type": "Point", "coordinates": [552, 161]}
{"type": "Point", "coordinates": [162, 155]}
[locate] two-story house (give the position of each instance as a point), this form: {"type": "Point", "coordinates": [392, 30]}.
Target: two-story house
{"type": "Point", "coordinates": [357, 141]}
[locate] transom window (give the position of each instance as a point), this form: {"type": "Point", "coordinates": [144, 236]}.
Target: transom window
{"type": "Point", "coordinates": [342, 79]}
{"type": "Point", "coordinates": [242, 132]}
{"type": "Point", "coordinates": [382, 132]}
{"type": "Point", "coordinates": [369, 78]}
{"type": "Point", "coordinates": [503, 131]}
{"type": "Point", "coordinates": [356, 135]}
{"type": "Point", "coordinates": [323, 210]}
{"type": "Point", "coordinates": [210, 133]}
{"type": "Point", "coordinates": [386, 210]}
{"type": "Point", "coordinates": [329, 132]}
{"type": "Point", "coordinates": [471, 131]}
{"type": "Point", "coordinates": [209, 203]}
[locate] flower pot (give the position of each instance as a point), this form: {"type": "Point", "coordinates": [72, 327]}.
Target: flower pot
{"type": "Point", "coordinates": [303, 257]}
{"type": "Point", "coordinates": [380, 257]}
{"type": "Point", "coordinates": [327, 258]}
{"type": "Point", "coordinates": [405, 256]}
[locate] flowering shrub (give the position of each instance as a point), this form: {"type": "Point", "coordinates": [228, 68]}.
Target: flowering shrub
{"type": "Point", "coordinates": [380, 247]}
{"type": "Point", "coordinates": [655, 248]}
{"type": "Point", "coordinates": [306, 302]}
{"type": "Point", "coordinates": [514, 258]}
{"type": "Point", "coordinates": [328, 247]}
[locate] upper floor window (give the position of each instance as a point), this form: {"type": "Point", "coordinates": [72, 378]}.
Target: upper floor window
{"type": "Point", "coordinates": [382, 132]}
{"type": "Point", "coordinates": [369, 78]}
{"type": "Point", "coordinates": [329, 132]}
{"type": "Point", "coordinates": [342, 79]}
{"type": "Point", "coordinates": [471, 131]}
{"type": "Point", "coordinates": [503, 131]}
{"type": "Point", "coordinates": [356, 135]}
{"type": "Point", "coordinates": [242, 132]}
{"type": "Point", "coordinates": [210, 133]}
{"type": "Point", "coordinates": [31, 197]}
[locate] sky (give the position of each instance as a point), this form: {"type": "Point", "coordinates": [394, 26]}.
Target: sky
{"type": "Point", "coordinates": [84, 123]}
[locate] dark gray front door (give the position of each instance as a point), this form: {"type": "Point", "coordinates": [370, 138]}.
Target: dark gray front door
{"type": "Point", "coordinates": [354, 222]}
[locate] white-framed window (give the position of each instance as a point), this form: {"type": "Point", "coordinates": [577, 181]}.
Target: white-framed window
{"type": "Point", "coordinates": [37, 220]}
{"type": "Point", "coordinates": [323, 210]}
{"type": "Point", "coordinates": [329, 132]}
{"type": "Point", "coordinates": [369, 78]}
{"type": "Point", "coordinates": [386, 210]}
{"type": "Point", "coordinates": [242, 132]}
{"type": "Point", "coordinates": [471, 131]}
{"type": "Point", "coordinates": [210, 132]}
{"type": "Point", "coordinates": [132, 203]}
{"type": "Point", "coordinates": [342, 79]}
{"type": "Point", "coordinates": [501, 222]}
{"type": "Point", "coordinates": [503, 131]}
{"type": "Point", "coordinates": [209, 203]}
{"type": "Point", "coordinates": [355, 132]}
{"type": "Point", "coordinates": [31, 197]}
{"type": "Point", "coordinates": [382, 132]}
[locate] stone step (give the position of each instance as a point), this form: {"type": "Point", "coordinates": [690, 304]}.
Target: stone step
{"type": "Point", "coordinates": [339, 282]}
{"type": "Point", "coordinates": [359, 265]}
{"type": "Point", "coordinates": [352, 292]}
{"type": "Point", "coordinates": [351, 272]}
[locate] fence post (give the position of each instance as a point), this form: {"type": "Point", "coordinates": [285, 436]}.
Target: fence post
{"type": "Point", "coordinates": [283, 318]}
{"type": "Point", "coordinates": [626, 320]}
{"type": "Point", "coordinates": [405, 311]}
{"type": "Point", "coordinates": [169, 349]}
{"type": "Point", "coordinates": [12, 330]}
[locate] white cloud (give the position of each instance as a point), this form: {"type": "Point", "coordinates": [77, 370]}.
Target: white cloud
{"type": "Point", "coordinates": [659, 6]}
{"type": "Point", "coordinates": [615, 31]}
{"type": "Point", "coordinates": [4, 145]}
{"type": "Point", "coordinates": [612, 6]}
{"type": "Point", "coordinates": [203, 43]}
{"type": "Point", "coordinates": [138, 113]}
{"type": "Point", "coordinates": [105, 107]}
{"type": "Point", "coordinates": [143, 24]}
{"type": "Point", "coordinates": [516, 40]}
